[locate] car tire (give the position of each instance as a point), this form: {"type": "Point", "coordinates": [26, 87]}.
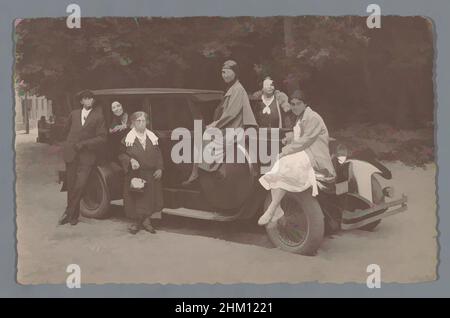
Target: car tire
{"type": "Point", "coordinates": [301, 204]}
{"type": "Point", "coordinates": [96, 201]}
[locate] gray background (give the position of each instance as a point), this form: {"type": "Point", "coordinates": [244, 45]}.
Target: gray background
{"type": "Point", "coordinates": [437, 10]}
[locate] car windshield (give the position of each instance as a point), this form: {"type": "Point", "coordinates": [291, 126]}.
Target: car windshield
{"type": "Point", "coordinates": [166, 112]}
{"type": "Point", "coordinates": [170, 112]}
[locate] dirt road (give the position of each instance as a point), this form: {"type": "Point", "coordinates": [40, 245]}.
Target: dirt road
{"type": "Point", "coordinates": [184, 251]}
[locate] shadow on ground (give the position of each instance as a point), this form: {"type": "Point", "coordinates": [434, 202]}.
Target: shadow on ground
{"type": "Point", "coordinates": [242, 231]}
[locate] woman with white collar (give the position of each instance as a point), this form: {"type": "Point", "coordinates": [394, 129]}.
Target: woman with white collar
{"type": "Point", "coordinates": [269, 113]}
{"type": "Point", "coordinates": [142, 162]}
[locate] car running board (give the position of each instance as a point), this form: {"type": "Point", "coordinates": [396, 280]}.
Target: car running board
{"type": "Point", "coordinates": [194, 214]}
{"type": "Point", "coordinates": [199, 214]}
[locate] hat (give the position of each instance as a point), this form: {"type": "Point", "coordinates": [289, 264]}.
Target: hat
{"type": "Point", "coordinates": [86, 94]}
{"type": "Point", "coordinates": [232, 65]}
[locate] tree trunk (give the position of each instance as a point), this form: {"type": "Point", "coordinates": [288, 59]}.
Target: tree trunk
{"type": "Point", "coordinates": [292, 75]}
{"type": "Point", "coordinates": [26, 103]}
{"type": "Point", "coordinates": [68, 105]}
{"type": "Point", "coordinates": [401, 108]}
{"type": "Point", "coordinates": [288, 36]}
{"type": "Point", "coordinates": [373, 107]}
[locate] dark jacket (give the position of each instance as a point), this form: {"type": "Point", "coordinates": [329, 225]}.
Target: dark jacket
{"type": "Point", "coordinates": [234, 111]}
{"type": "Point", "coordinates": [138, 205]}
{"type": "Point", "coordinates": [88, 138]}
{"type": "Point", "coordinates": [149, 159]}
{"type": "Point", "coordinates": [271, 120]}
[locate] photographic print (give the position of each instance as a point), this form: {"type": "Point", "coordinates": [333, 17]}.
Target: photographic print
{"type": "Point", "coordinates": [279, 149]}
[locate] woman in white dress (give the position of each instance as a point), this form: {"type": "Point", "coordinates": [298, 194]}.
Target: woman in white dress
{"type": "Point", "coordinates": [305, 155]}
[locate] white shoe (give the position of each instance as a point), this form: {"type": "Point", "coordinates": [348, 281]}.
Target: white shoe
{"type": "Point", "coordinates": [279, 213]}
{"type": "Point", "coordinates": [265, 218]}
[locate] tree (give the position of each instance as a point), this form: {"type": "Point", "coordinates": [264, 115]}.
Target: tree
{"type": "Point", "coordinates": [337, 61]}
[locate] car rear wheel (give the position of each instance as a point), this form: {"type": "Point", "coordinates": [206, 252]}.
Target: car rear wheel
{"type": "Point", "coordinates": [301, 229]}
{"type": "Point", "coordinates": [95, 202]}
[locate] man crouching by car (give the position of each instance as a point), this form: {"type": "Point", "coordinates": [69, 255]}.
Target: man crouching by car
{"type": "Point", "coordinates": [85, 131]}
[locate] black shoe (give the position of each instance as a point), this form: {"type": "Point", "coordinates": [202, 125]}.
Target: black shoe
{"type": "Point", "coordinates": [134, 228]}
{"type": "Point", "coordinates": [64, 219]}
{"type": "Point", "coordinates": [147, 225]}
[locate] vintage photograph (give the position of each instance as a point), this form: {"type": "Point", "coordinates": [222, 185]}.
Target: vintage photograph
{"type": "Point", "coordinates": [283, 149]}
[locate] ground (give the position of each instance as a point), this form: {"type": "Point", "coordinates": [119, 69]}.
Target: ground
{"type": "Point", "coordinates": [185, 251]}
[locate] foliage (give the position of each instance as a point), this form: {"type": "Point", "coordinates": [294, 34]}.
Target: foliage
{"type": "Point", "coordinates": [411, 147]}
{"type": "Point", "coordinates": [350, 74]}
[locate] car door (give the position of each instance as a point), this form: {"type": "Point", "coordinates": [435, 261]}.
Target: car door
{"type": "Point", "coordinates": [170, 112]}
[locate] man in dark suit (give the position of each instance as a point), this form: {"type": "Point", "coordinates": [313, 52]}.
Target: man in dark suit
{"type": "Point", "coordinates": [86, 132]}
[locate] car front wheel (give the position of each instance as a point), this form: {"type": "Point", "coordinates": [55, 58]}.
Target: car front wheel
{"type": "Point", "coordinates": [301, 229]}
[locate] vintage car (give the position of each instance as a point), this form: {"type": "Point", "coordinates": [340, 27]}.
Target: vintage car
{"type": "Point", "coordinates": [355, 201]}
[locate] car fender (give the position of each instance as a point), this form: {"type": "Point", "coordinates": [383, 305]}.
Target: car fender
{"type": "Point", "coordinates": [113, 176]}
{"type": "Point", "coordinates": [362, 171]}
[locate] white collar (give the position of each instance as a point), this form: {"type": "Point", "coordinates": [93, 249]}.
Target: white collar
{"type": "Point", "coordinates": [132, 135]}
{"type": "Point", "coordinates": [267, 101]}
{"type": "Point", "coordinates": [85, 111]}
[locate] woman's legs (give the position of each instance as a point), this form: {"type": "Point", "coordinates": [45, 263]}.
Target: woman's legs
{"type": "Point", "coordinates": [277, 196]}
{"type": "Point", "coordinates": [194, 172]}
{"type": "Point", "coordinates": [143, 222]}
{"type": "Point", "coordinates": [129, 202]}
{"type": "Point", "coordinates": [193, 176]}
{"type": "Point", "coordinates": [213, 152]}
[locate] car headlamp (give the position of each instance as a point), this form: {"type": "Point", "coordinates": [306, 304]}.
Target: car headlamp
{"type": "Point", "coordinates": [388, 192]}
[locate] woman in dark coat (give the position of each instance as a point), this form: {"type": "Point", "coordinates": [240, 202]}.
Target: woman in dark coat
{"type": "Point", "coordinates": [142, 162]}
{"type": "Point", "coordinates": [268, 112]}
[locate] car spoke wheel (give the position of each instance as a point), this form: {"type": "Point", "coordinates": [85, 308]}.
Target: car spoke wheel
{"type": "Point", "coordinates": [292, 227]}
{"type": "Point", "coordinates": [301, 229]}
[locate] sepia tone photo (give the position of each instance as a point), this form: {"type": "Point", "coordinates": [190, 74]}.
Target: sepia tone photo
{"type": "Point", "coordinates": [282, 149]}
